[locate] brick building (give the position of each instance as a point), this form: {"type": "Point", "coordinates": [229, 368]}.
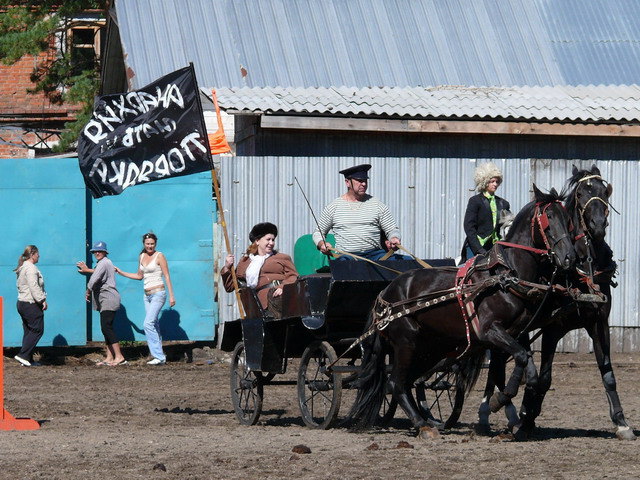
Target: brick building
{"type": "Point", "coordinates": [29, 123]}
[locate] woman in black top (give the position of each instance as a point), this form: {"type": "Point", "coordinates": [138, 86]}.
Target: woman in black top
{"type": "Point", "coordinates": [483, 211]}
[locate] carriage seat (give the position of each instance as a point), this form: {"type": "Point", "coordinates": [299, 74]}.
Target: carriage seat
{"type": "Point", "coordinates": [253, 308]}
{"type": "Point", "coordinates": [307, 258]}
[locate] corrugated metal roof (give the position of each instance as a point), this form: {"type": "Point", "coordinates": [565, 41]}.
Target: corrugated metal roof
{"type": "Point", "coordinates": [563, 103]}
{"type": "Point", "coordinates": [373, 43]}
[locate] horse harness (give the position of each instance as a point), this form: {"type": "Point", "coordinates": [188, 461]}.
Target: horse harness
{"type": "Point", "coordinates": [466, 291]}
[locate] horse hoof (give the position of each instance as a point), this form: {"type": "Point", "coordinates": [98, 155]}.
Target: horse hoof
{"type": "Point", "coordinates": [428, 433]}
{"type": "Point", "coordinates": [625, 433]}
{"type": "Point", "coordinates": [435, 423]}
{"type": "Point", "coordinates": [520, 434]}
{"type": "Point", "coordinates": [483, 429]}
{"type": "Point", "coordinates": [502, 437]}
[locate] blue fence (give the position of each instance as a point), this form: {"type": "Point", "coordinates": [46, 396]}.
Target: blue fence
{"type": "Point", "coordinates": [46, 204]}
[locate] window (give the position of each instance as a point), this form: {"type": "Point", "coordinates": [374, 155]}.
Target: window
{"type": "Point", "coordinates": [84, 44]}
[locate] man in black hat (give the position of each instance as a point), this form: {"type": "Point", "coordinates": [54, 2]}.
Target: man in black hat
{"type": "Point", "coordinates": [357, 219]}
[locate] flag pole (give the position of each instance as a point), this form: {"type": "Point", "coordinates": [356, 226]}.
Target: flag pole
{"type": "Point", "coordinates": [223, 222]}
{"type": "Point", "coordinates": [216, 189]}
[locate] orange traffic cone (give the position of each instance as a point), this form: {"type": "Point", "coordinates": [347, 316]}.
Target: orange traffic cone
{"type": "Point", "coordinates": [8, 421]}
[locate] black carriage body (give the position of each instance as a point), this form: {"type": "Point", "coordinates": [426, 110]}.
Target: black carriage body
{"type": "Point", "coordinates": [326, 306]}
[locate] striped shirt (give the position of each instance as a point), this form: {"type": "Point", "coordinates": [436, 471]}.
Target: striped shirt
{"type": "Point", "coordinates": [357, 225]}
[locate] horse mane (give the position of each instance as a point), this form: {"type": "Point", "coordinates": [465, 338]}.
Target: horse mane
{"type": "Point", "coordinates": [525, 214]}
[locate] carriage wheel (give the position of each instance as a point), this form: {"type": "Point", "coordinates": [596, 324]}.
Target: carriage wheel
{"type": "Point", "coordinates": [319, 392]}
{"type": "Point", "coordinates": [440, 398]}
{"type": "Point", "coordinates": [246, 388]}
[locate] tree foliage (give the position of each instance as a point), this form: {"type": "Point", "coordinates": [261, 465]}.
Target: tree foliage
{"type": "Point", "coordinates": [34, 26]}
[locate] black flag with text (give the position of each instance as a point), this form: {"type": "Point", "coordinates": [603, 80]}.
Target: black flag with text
{"type": "Point", "coordinates": [145, 135]}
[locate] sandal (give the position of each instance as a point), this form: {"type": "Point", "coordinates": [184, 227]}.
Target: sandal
{"type": "Point", "coordinates": [115, 364]}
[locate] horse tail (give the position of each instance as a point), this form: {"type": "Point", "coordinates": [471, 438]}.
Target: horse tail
{"type": "Point", "coordinates": [371, 382]}
{"type": "Point", "coordinates": [469, 371]}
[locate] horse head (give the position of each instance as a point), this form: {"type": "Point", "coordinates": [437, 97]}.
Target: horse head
{"type": "Point", "coordinates": [589, 201]}
{"type": "Point", "coordinates": [551, 225]}
{"type": "Point", "coordinates": [544, 226]}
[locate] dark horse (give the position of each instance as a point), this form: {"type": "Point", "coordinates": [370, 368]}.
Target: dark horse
{"type": "Point", "coordinates": [588, 205]}
{"type": "Point", "coordinates": [426, 318]}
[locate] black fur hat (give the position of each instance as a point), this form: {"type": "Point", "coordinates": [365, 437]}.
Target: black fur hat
{"type": "Point", "coordinates": [261, 229]}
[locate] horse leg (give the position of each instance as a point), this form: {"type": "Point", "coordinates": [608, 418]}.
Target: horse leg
{"type": "Point", "coordinates": [483, 427]}
{"type": "Point", "coordinates": [599, 333]}
{"type": "Point", "coordinates": [533, 398]}
{"type": "Point", "coordinates": [510, 411]}
{"type": "Point", "coordinates": [523, 360]}
{"type": "Point", "coordinates": [495, 379]}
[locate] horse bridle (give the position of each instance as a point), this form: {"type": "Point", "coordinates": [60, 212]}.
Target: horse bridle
{"type": "Point", "coordinates": [541, 220]}
{"type": "Point", "coordinates": [596, 198]}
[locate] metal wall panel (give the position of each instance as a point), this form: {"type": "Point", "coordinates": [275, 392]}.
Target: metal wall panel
{"type": "Point", "coordinates": [624, 176]}
{"type": "Point", "coordinates": [44, 204]}
{"type": "Point", "coordinates": [179, 212]}
{"type": "Point", "coordinates": [428, 197]}
{"type": "Point", "coordinates": [47, 205]}
{"type": "Point", "coordinates": [622, 232]}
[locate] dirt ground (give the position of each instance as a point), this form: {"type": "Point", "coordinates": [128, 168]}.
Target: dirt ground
{"type": "Point", "coordinates": [177, 422]}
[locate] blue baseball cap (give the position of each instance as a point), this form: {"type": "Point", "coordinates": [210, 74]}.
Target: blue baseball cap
{"type": "Point", "coordinates": [99, 247]}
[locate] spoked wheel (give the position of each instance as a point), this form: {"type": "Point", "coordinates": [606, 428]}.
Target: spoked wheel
{"type": "Point", "coordinates": [246, 388]}
{"type": "Point", "coordinates": [440, 398]}
{"type": "Point", "coordinates": [319, 391]}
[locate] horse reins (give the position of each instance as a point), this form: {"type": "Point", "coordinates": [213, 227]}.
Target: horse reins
{"type": "Point", "coordinates": [421, 262]}
{"type": "Point", "coordinates": [383, 318]}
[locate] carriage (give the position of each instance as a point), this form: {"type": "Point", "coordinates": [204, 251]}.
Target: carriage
{"type": "Point", "coordinates": [323, 314]}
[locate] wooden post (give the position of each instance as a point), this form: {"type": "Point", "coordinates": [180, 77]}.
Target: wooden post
{"type": "Point", "coordinates": [8, 421]}
{"type": "Point", "coordinates": [223, 222]}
